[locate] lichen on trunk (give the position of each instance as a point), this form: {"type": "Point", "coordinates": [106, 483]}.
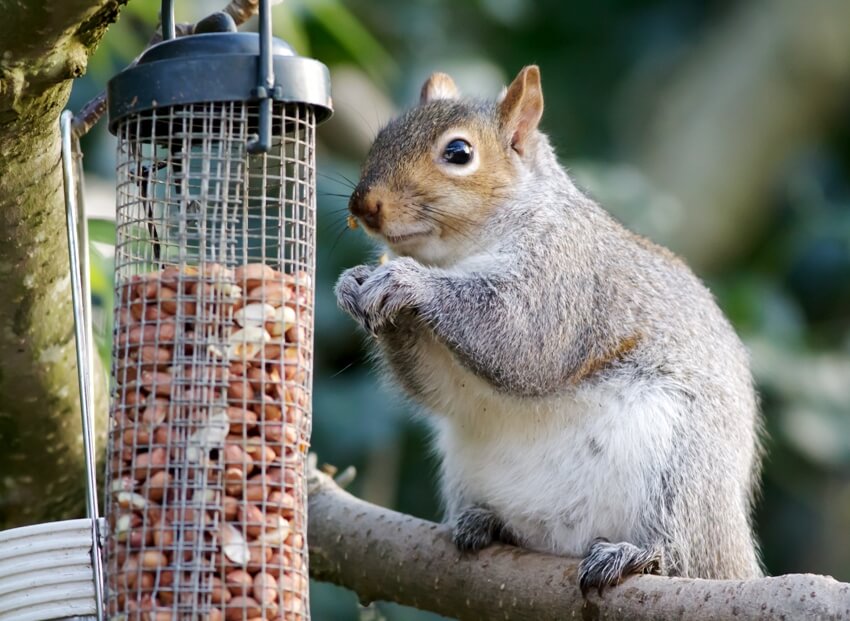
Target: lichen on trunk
{"type": "Point", "coordinates": [42, 477]}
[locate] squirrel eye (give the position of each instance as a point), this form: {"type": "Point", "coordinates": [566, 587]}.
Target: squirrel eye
{"type": "Point", "coordinates": [458, 151]}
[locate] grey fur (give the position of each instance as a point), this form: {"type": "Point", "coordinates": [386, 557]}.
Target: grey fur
{"type": "Point", "coordinates": [564, 285]}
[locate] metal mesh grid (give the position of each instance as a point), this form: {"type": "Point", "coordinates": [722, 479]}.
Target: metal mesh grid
{"type": "Point", "coordinates": [212, 357]}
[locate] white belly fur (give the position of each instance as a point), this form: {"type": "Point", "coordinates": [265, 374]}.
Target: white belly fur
{"type": "Point", "coordinates": [533, 461]}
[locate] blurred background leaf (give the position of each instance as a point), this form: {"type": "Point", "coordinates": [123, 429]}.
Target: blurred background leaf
{"type": "Point", "coordinates": [719, 127]}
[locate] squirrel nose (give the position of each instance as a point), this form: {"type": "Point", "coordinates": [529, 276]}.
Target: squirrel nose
{"type": "Point", "coordinates": [366, 206]}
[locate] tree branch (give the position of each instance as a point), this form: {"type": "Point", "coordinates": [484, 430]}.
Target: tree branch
{"type": "Point", "coordinates": [718, 139]}
{"type": "Point", "coordinates": [384, 555]}
{"type": "Point", "coordinates": [242, 10]}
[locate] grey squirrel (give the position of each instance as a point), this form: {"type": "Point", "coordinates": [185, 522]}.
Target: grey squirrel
{"type": "Point", "coordinates": [589, 398]}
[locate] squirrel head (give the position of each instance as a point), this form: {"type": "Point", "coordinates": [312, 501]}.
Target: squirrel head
{"type": "Point", "coordinates": [434, 175]}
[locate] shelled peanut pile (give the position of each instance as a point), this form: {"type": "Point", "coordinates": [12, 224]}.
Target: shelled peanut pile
{"type": "Point", "coordinates": [210, 423]}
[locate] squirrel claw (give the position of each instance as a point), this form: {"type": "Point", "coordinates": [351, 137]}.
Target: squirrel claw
{"type": "Point", "coordinates": [374, 295]}
{"type": "Point", "coordinates": [477, 527]}
{"type": "Point", "coordinates": [389, 289]}
{"type": "Point", "coordinates": [608, 564]}
{"type": "Point", "coordinates": [347, 291]}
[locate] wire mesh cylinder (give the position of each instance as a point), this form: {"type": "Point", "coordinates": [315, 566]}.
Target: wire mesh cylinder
{"type": "Point", "coordinates": [211, 371]}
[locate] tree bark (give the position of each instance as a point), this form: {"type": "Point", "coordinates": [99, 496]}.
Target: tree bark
{"type": "Point", "coordinates": [384, 555]}
{"type": "Point", "coordinates": [45, 46]}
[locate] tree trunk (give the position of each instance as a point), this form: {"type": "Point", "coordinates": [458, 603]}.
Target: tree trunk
{"type": "Point", "coordinates": [45, 46]}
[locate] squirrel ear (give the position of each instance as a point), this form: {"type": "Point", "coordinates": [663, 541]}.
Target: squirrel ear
{"type": "Point", "coordinates": [521, 106]}
{"type": "Point", "coordinates": [438, 86]}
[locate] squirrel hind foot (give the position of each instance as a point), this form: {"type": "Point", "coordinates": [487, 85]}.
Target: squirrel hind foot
{"type": "Point", "coordinates": [608, 564]}
{"type": "Point", "coordinates": [477, 526]}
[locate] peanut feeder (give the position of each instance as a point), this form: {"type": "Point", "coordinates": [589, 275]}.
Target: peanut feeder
{"type": "Point", "coordinates": [212, 354]}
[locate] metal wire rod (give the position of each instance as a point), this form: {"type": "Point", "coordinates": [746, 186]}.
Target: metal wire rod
{"type": "Point", "coordinates": [265, 82]}
{"type": "Point", "coordinates": [167, 17]}
{"type": "Point", "coordinates": [83, 349]}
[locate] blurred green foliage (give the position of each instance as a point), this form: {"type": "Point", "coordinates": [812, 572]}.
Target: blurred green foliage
{"type": "Point", "coordinates": [788, 294]}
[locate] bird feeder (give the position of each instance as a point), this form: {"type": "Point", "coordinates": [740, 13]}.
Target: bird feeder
{"type": "Point", "coordinates": [212, 352]}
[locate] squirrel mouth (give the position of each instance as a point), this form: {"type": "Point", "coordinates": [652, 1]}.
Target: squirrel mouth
{"type": "Point", "coordinates": [399, 239]}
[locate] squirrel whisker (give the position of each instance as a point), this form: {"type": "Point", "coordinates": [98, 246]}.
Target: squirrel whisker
{"type": "Point", "coordinates": [347, 182]}
{"type": "Point", "coordinates": [346, 196]}
{"type": "Point", "coordinates": [338, 237]}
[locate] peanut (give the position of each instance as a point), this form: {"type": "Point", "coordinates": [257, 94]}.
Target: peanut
{"type": "Point", "coordinates": [162, 334]}
{"type": "Point", "coordinates": [220, 593]}
{"type": "Point", "coordinates": [242, 607]}
{"type": "Point", "coordinates": [239, 582]}
{"type": "Point", "coordinates": [165, 597]}
{"type": "Point", "coordinates": [155, 412]}
{"type": "Point", "coordinates": [235, 457]}
{"type": "Point", "coordinates": [254, 274]}
{"type": "Point", "coordinates": [292, 604]}
{"type": "Point", "coordinates": [157, 485]}
{"type": "Point", "coordinates": [160, 435]}
{"type": "Point", "coordinates": [252, 519]}
{"type": "Point", "coordinates": [259, 555]}
{"type": "Point", "coordinates": [154, 355]}
{"type": "Point", "coordinates": [167, 300]}
{"type": "Point", "coordinates": [273, 293]}
{"type": "Point", "coordinates": [157, 382]}
{"type": "Point", "coordinates": [294, 416]}
{"type": "Point", "coordinates": [268, 409]}
{"type": "Point", "coordinates": [135, 437]}
{"type": "Point", "coordinates": [234, 478]}
{"type": "Point", "coordinates": [149, 463]}
{"type": "Point", "coordinates": [271, 352]}
{"type": "Point", "coordinates": [240, 391]}
{"type": "Point", "coordinates": [295, 395]}
{"type": "Point", "coordinates": [231, 508]}
{"type": "Point", "coordinates": [258, 379]}
{"type": "Point", "coordinates": [261, 454]}
{"type": "Point", "coordinates": [154, 314]}
{"type": "Point", "coordinates": [163, 535]}
{"type": "Point", "coordinates": [157, 615]}
{"type": "Point", "coordinates": [296, 334]}
{"type": "Point", "coordinates": [255, 314]}
{"type": "Point", "coordinates": [256, 491]}
{"type": "Point", "coordinates": [283, 502]}
{"type": "Point", "coordinates": [152, 559]}
{"type": "Point", "coordinates": [241, 420]}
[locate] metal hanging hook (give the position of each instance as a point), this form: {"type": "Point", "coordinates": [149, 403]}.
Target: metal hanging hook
{"type": "Point", "coordinates": [81, 299]}
{"type": "Point", "coordinates": [169, 30]}
{"type": "Point", "coordinates": [265, 90]}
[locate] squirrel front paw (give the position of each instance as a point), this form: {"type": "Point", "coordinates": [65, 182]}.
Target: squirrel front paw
{"type": "Point", "coordinates": [347, 291]}
{"type": "Point", "coordinates": [375, 295]}
{"type": "Point", "coordinates": [608, 564]}
{"type": "Point", "coordinates": [391, 288]}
